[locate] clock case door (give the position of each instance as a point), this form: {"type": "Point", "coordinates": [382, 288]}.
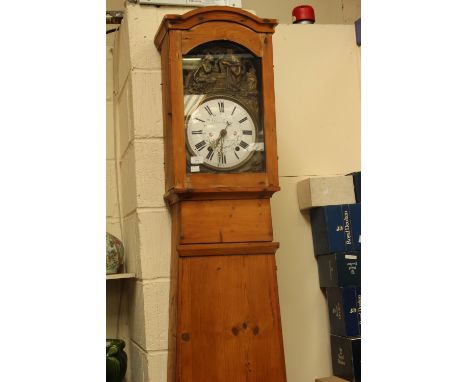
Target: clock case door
{"type": "Point", "coordinates": [187, 32]}
{"type": "Point", "coordinates": [223, 109]}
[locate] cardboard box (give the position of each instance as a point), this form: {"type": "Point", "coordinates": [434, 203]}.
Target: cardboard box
{"type": "Point", "coordinates": [330, 379]}
{"type": "Point", "coordinates": [344, 311]}
{"type": "Point", "coordinates": [336, 228]}
{"type": "Point", "coordinates": [357, 185]}
{"type": "Point", "coordinates": [339, 269]}
{"type": "Point", "coordinates": [325, 191]}
{"type": "Point", "coordinates": [346, 357]}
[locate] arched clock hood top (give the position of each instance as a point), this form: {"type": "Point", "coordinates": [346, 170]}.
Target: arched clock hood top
{"type": "Point", "coordinates": [202, 15]}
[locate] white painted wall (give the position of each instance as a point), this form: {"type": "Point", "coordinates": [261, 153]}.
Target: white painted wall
{"type": "Point", "coordinates": [317, 90]}
{"type": "Point", "coordinates": [146, 225]}
{"type": "Point", "coordinates": [326, 11]}
{"type": "Point", "coordinates": [117, 325]}
{"type": "Point", "coordinates": [112, 207]}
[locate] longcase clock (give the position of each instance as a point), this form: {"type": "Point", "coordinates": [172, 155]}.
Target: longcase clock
{"type": "Point", "coordinates": [221, 170]}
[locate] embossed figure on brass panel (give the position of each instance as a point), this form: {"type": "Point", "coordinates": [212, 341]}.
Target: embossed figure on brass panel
{"type": "Point", "coordinates": [221, 71]}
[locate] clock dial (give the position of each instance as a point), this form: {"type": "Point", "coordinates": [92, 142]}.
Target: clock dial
{"type": "Point", "coordinates": [221, 134]}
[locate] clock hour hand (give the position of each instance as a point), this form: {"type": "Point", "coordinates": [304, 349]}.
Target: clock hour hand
{"type": "Point", "coordinates": [222, 134]}
{"type": "Point", "coordinates": [216, 142]}
{"type": "Point", "coordinates": [220, 138]}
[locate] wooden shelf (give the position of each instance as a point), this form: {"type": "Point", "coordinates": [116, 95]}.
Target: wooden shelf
{"type": "Point", "coordinates": [119, 276]}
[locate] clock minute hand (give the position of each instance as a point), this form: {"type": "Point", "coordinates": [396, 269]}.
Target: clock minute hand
{"type": "Point", "coordinates": [220, 152]}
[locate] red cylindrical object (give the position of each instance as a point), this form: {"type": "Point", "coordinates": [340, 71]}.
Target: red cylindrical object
{"type": "Point", "coordinates": [303, 14]}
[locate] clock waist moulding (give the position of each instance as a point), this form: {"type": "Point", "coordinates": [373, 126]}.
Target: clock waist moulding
{"type": "Point", "coordinates": [221, 170]}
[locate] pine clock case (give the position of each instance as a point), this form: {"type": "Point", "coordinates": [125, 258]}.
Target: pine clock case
{"type": "Point", "coordinates": [224, 309]}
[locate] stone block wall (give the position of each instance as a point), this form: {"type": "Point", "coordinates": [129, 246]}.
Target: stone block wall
{"type": "Point", "coordinates": [116, 301]}
{"type": "Point", "coordinates": [146, 220]}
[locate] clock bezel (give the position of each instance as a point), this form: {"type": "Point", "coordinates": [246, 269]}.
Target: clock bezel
{"type": "Point", "coordinates": [211, 97]}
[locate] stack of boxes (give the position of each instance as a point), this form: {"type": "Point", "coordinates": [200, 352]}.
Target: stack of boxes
{"type": "Point", "coordinates": [335, 216]}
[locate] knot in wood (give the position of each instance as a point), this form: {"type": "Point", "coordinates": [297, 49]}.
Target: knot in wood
{"type": "Point", "coordinates": [185, 337]}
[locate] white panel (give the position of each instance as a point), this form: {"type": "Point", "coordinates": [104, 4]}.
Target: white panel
{"type": "Point", "coordinates": [317, 94]}
{"type": "Point", "coordinates": [318, 126]}
{"type": "Point", "coordinates": [304, 313]}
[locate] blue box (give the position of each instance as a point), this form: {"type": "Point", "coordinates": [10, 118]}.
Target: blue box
{"type": "Point", "coordinates": [336, 228]}
{"type": "Point", "coordinates": [340, 269]}
{"type": "Point", "coordinates": [344, 311]}
{"type": "Point", "coordinates": [355, 211]}
{"type": "Point", "coordinates": [346, 357]}
{"type": "Point", "coordinates": [357, 29]}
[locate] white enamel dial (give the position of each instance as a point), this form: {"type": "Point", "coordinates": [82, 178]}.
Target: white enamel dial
{"type": "Point", "coordinates": [221, 134]}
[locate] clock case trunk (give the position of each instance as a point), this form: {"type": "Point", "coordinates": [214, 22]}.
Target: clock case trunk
{"type": "Point", "coordinates": [225, 320]}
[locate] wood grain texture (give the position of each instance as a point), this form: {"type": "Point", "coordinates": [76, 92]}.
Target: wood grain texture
{"type": "Point", "coordinates": [167, 113]}
{"type": "Point", "coordinates": [269, 122]}
{"type": "Point", "coordinates": [225, 221]}
{"type": "Point", "coordinates": [240, 181]}
{"type": "Point", "coordinates": [173, 295]}
{"type": "Point", "coordinates": [229, 328]}
{"type": "Point", "coordinates": [239, 33]}
{"type": "Point", "coordinates": [175, 196]}
{"type": "Point", "coordinates": [177, 109]}
{"type": "Point", "coordinates": [209, 14]}
{"type": "Point", "coordinates": [226, 249]}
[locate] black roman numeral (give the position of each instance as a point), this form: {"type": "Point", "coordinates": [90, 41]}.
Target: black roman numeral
{"type": "Point", "coordinates": [210, 154]}
{"type": "Point", "coordinates": [200, 145]}
{"type": "Point", "coordinates": [243, 120]}
{"type": "Point", "coordinates": [247, 132]}
{"type": "Point", "coordinates": [196, 132]}
{"type": "Point", "coordinates": [207, 108]}
{"type": "Point", "coordinates": [198, 119]}
{"type": "Point", "coordinates": [223, 158]}
{"type": "Point", "coordinates": [243, 145]}
{"type": "Point", "coordinates": [233, 110]}
{"type": "Point", "coordinates": [221, 106]}
{"type": "Point", "coordinates": [237, 156]}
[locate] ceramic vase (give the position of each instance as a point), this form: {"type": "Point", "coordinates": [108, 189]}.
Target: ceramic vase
{"type": "Point", "coordinates": [114, 254]}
